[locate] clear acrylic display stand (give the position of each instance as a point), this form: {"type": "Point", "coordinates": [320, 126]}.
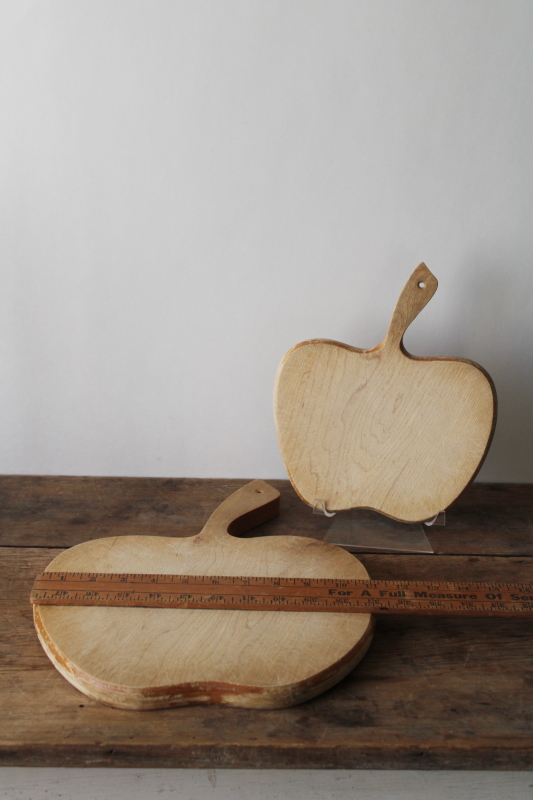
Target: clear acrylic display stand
{"type": "Point", "coordinates": [361, 529]}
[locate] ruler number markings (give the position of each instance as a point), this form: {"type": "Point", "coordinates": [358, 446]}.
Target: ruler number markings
{"type": "Point", "coordinates": [280, 593]}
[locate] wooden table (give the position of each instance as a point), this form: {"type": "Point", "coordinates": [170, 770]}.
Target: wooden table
{"type": "Point", "coordinates": [432, 693]}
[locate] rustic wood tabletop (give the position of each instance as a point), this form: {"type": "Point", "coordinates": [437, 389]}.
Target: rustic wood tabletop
{"type": "Point", "coordinates": [432, 693]}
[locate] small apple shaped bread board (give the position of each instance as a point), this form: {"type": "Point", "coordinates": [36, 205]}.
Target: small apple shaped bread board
{"type": "Point", "coordinates": [379, 428]}
{"type": "Point", "coordinates": [144, 658]}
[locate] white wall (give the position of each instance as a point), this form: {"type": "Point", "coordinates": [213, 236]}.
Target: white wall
{"type": "Point", "coordinates": [19, 783]}
{"type": "Point", "coordinates": [189, 188]}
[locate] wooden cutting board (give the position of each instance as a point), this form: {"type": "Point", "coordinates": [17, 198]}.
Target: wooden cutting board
{"type": "Point", "coordinates": [143, 658]}
{"type": "Point", "coordinates": [380, 428]}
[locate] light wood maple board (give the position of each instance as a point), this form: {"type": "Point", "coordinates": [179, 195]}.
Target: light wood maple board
{"type": "Point", "coordinates": [379, 428]}
{"type": "Point", "coordinates": [142, 658]}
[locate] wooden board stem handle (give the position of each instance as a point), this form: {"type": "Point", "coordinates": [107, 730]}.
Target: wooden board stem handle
{"type": "Point", "coordinates": [416, 293]}
{"type": "Point", "coordinates": [249, 506]}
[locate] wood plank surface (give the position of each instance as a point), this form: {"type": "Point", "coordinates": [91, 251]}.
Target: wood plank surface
{"type": "Point", "coordinates": [435, 693]}
{"type": "Point", "coordinates": [49, 511]}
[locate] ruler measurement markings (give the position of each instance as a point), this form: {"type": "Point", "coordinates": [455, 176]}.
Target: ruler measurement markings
{"type": "Point", "coordinates": [368, 588]}
{"type": "Point", "coordinates": [277, 593]}
{"type": "Point", "coordinates": [162, 579]}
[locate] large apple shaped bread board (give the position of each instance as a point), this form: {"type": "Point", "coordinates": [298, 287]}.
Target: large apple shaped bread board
{"type": "Point", "coordinates": [379, 428]}
{"type": "Point", "coordinates": [143, 658]}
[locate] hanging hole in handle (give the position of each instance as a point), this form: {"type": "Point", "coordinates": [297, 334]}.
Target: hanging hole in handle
{"type": "Point", "coordinates": [421, 285]}
{"type": "Point", "coordinates": [259, 491]}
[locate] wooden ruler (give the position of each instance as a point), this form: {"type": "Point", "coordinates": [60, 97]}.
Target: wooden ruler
{"type": "Point", "coordinates": [283, 594]}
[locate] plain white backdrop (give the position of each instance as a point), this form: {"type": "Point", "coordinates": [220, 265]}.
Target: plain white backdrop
{"type": "Point", "coordinates": [190, 187]}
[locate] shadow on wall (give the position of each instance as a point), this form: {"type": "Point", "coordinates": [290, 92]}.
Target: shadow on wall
{"type": "Point", "coordinates": [493, 325]}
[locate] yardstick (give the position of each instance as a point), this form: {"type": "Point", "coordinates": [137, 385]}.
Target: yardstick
{"type": "Point", "coordinates": [283, 594]}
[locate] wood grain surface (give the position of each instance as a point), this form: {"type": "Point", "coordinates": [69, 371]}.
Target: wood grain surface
{"type": "Point", "coordinates": [430, 693]}
{"type": "Point", "coordinates": [45, 511]}
{"type": "Point", "coordinates": [380, 428]}
{"type": "Point", "coordinates": [147, 658]}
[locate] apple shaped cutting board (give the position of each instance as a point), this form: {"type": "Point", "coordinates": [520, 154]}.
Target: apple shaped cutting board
{"type": "Point", "coordinates": [142, 658]}
{"type": "Point", "coordinates": [379, 428]}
